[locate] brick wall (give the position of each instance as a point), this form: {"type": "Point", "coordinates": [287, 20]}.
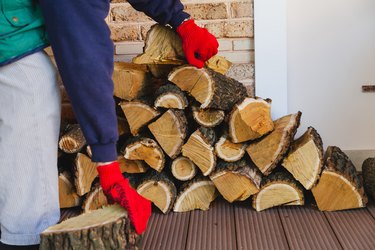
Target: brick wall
{"type": "Point", "coordinates": [231, 21]}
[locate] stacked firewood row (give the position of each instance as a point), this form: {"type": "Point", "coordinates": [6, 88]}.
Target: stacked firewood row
{"type": "Point", "coordinates": [188, 135]}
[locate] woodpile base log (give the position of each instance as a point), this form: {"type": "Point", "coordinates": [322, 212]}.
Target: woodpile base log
{"type": "Point", "coordinates": [107, 228]}
{"type": "Point", "coordinates": [368, 173]}
{"type": "Point", "coordinates": [339, 187]}
{"type": "Point", "coordinates": [278, 189]}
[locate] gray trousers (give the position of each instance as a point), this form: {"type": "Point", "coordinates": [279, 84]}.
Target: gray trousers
{"type": "Point", "coordinates": [29, 129]}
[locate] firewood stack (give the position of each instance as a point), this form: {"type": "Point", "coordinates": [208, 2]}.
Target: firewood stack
{"type": "Point", "coordinates": [188, 135]}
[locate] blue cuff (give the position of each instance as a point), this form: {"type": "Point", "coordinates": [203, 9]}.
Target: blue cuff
{"type": "Point", "coordinates": [104, 152]}
{"type": "Point", "coordinates": [178, 19]}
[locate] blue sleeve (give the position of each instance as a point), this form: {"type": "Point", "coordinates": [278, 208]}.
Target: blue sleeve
{"type": "Point", "coordinates": [162, 11]}
{"type": "Point", "coordinates": [81, 43]}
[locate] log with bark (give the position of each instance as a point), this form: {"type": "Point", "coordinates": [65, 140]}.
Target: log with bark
{"type": "Point", "coordinates": [270, 150]}
{"type": "Point", "coordinates": [84, 173]}
{"type": "Point", "coordinates": [183, 168]}
{"type": "Point", "coordinates": [340, 186]}
{"type": "Point", "coordinates": [73, 140]}
{"type": "Point", "coordinates": [250, 119]}
{"type": "Point", "coordinates": [208, 117]}
{"type": "Point", "coordinates": [218, 64]}
{"type": "Point", "coordinates": [195, 194]}
{"type": "Point", "coordinates": [138, 114]}
{"type": "Point", "coordinates": [368, 173]}
{"type": "Point", "coordinates": [147, 150]}
{"type": "Point", "coordinates": [236, 181]}
{"type": "Point", "coordinates": [278, 189]}
{"type": "Point", "coordinates": [94, 199]}
{"type": "Point", "coordinates": [159, 189]}
{"type": "Point", "coordinates": [131, 166]}
{"type": "Point", "coordinates": [170, 131]}
{"type": "Point", "coordinates": [170, 96]}
{"type": "Point", "coordinates": [305, 158]}
{"type": "Point", "coordinates": [107, 228]}
{"type": "Point", "coordinates": [229, 151]}
{"type": "Point", "coordinates": [199, 149]}
{"type": "Point", "coordinates": [209, 88]}
{"type": "Point", "coordinates": [67, 192]}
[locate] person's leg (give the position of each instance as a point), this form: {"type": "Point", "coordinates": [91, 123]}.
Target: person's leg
{"type": "Point", "coordinates": [29, 130]}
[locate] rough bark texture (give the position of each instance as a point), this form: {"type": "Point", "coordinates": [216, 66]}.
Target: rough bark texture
{"type": "Point", "coordinates": [211, 89]}
{"type": "Point", "coordinates": [208, 117]}
{"type": "Point", "coordinates": [107, 228]}
{"type": "Point", "coordinates": [368, 173]}
{"type": "Point", "coordinates": [340, 186]}
{"type": "Point", "coordinates": [170, 96]}
{"type": "Point", "coordinates": [73, 140]}
{"type": "Point", "coordinates": [270, 150]}
{"type": "Point", "coordinates": [305, 158]}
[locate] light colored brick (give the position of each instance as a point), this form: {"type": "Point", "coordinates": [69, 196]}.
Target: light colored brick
{"type": "Point", "coordinates": [239, 28]}
{"type": "Point", "coordinates": [225, 44]}
{"type": "Point", "coordinates": [238, 57]}
{"type": "Point", "coordinates": [126, 48]}
{"type": "Point", "coordinates": [125, 32]}
{"type": "Point", "coordinates": [243, 44]}
{"type": "Point", "coordinates": [126, 13]}
{"type": "Point", "coordinates": [124, 58]}
{"type": "Point", "coordinates": [207, 11]}
{"type": "Point", "coordinates": [241, 71]}
{"type": "Point", "coordinates": [242, 9]}
{"type": "Point", "coordinates": [216, 28]}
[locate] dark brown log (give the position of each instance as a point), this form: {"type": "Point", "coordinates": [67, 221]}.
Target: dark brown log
{"type": "Point", "coordinates": [67, 192]}
{"type": "Point", "coordinates": [147, 150]}
{"type": "Point", "coordinates": [170, 131]}
{"type": "Point", "coordinates": [84, 173]}
{"type": "Point", "coordinates": [270, 150]}
{"type": "Point", "coordinates": [131, 81]}
{"type": "Point", "coordinates": [340, 186]}
{"type": "Point", "coordinates": [250, 119]}
{"type": "Point", "coordinates": [278, 189]}
{"type": "Point", "coordinates": [229, 151]}
{"type": "Point", "coordinates": [159, 189]}
{"type": "Point", "coordinates": [73, 140]}
{"type": "Point", "coordinates": [195, 194]}
{"type": "Point", "coordinates": [199, 149]}
{"type": "Point", "coordinates": [305, 158]}
{"type": "Point", "coordinates": [183, 168]}
{"type": "Point", "coordinates": [236, 181]}
{"type": "Point", "coordinates": [138, 114]}
{"type": "Point", "coordinates": [211, 89]}
{"type": "Point", "coordinates": [170, 96]}
{"type": "Point", "coordinates": [368, 173]}
{"type": "Point", "coordinates": [107, 228]}
{"type": "Point", "coordinates": [122, 126]}
{"type": "Point", "coordinates": [208, 117]}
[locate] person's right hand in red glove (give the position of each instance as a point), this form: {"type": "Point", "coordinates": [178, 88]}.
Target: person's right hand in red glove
{"type": "Point", "coordinates": [117, 189]}
{"type": "Point", "coordinates": [198, 44]}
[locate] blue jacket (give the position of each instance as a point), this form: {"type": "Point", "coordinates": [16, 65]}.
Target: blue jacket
{"type": "Point", "coordinates": [80, 40]}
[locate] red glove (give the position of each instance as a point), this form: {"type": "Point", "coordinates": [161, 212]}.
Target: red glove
{"type": "Point", "coordinates": [118, 190]}
{"type": "Point", "coordinates": [198, 44]}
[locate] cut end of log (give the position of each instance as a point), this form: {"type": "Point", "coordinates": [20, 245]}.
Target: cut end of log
{"type": "Point", "coordinates": [183, 169]}
{"type": "Point", "coordinates": [85, 173]}
{"type": "Point", "coordinates": [67, 193]}
{"type": "Point", "coordinates": [95, 199]}
{"type": "Point", "coordinates": [229, 151]}
{"type": "Point", "coordinates": [170, 96]}
{"type": "Point", "coordinates": [131, 166]}
{"type": "Point", "coordinates": [198, 194]}
{"type": "Point", "coordinates": [208, 117]}
{"type": "Point", "coordinates": [73, 140]}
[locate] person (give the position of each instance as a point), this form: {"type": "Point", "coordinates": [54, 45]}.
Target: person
{"type": "Point", "coordinates": [30, 103]}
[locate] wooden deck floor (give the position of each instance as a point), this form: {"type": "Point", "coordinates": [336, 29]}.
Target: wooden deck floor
{"type": "Point", "coordinates": [228, 226]}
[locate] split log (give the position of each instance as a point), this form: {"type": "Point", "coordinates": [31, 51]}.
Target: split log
{"type": "Point", "coordinates": [84, 173]}
{"type": "Point", "coordinates": [161, 71]}
{"type": "Point", "coordinates": [270, 150]}
{"type": "Point", "coordinates": [339, 187]}
{"type": "Point", "coordinates": [170, 96]}
{"type": "Point", "coordinates": [249, 120]}
{"type": "Point", "coordinates": [199, 149]}
{"type": "Point", "coordinates": [138, 115]}
{"type": "Point", "coordinates": [211, 89]}
{"type": "Point", "coordinates": [218, 64]}
{"type": "Point", "coordinates": [170, 131]}
{"type": "Point", "coordinates": [278, 189]}
{"type": "Point", "coordinates": [236, 181]}
{"type": "Point", "coordinates": [131, 81]}
{"type": "Point", "coordinates": [305, 158]}
{"type": "Point", "coordinates": [160, 190]}
{"type": "Point", "coordinates": [208, 117]}
{"type": "Point", "coordinates": [229, 151]}
{"type": "Point", "coordinates": [368, 173]}
{"type": "Point", "coordinates": [95, 199]}
{"type": "Point", "coordinates": [147, 150]}
{"type": "Point", "coordinates": [183, 168]}
{"type": "Point", "coordinates": [67, 193]}
{"type": "Point", "coordinates": [131, 166]}
{"type": "Point", "coordinates": [122, 126]}
{"type": "Point", "coordinates": [196, 194]}
{"type": "Point", "coordinates": [107, 228]}
{"type": "Point", "coordinates": [73, 140]}
{"type": "Point", "coordinates": [162, 46]}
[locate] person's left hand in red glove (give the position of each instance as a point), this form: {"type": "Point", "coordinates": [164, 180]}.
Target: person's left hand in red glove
{"type": "Point", "coordinates": [117, 189]}
{"type": "Point", "coordinates": [198, 44]}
